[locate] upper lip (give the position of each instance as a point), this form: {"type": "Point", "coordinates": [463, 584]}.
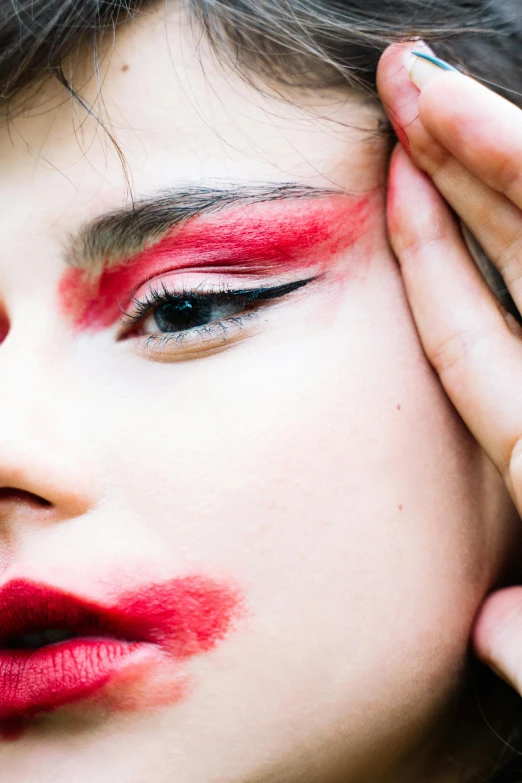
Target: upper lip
{"type": "Point", "coordinates": [182, 616]}
{"type": "Point", "coordinates": [27, 607]}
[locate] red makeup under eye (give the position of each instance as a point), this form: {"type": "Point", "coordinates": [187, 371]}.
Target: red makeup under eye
{"type": "Point", "coordinates": [257, 240]}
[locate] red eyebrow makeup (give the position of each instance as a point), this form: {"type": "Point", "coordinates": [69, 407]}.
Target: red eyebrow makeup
{"type": "Point", "coordinates": [256, 240]}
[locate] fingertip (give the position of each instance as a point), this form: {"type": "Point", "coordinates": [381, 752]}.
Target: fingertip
{"type": "Point", "coordinates": [392, 71]}
{"type": "Point", "coordinates": [400, 96]}
{"type": "Point", "coordinates": [495, 617]}
{"type": "Point", "coordinates": [497, 634]}
{"type": "Point", "coordinates": [396, 53]}
{"type": "Point", "coordinates": [408, 186]}
{"type": "Point", "coordinates": [398, 158]}
{"type": "Point", "coordinates": [405, 172]}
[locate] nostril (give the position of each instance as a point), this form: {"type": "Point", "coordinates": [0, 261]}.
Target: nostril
{"type": "Point", "coordinates": [13, 495]}
{"type": "Point", "coordinates": [4, 327]}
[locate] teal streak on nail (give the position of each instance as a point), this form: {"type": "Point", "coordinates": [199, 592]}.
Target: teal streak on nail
{"type": "Point", "coordinates": [435, 60]}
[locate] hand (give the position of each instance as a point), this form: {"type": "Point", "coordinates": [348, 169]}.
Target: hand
{"type": "Point", "coordinates": [461, 145]}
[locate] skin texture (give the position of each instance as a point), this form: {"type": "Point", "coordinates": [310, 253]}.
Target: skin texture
{"type": "Point", "coordinates": [465, 145]}
{"type": "Point", "coordinates": [315, 463]}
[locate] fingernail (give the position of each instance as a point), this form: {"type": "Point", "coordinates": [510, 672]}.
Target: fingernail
{"type": "Point", "coordinates": [422, 67]}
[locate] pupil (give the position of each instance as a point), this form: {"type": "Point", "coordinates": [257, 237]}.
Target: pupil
{"type": "Point", "coordinates": [185, 314]}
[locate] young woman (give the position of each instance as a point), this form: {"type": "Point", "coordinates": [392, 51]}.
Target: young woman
{"type": "Point", "coordinates": [244, 532]}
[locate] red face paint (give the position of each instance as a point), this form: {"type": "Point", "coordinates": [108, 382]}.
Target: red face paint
{"type": "Point", "coordinates": [256, 240]}
{"type": "Point", "coordinates": [135, 645]}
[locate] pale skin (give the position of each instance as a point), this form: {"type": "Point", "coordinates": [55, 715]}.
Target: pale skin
{"type": "Point", "coordinates": [318, 463]}
{"type": "Point", "coordinates": [465, 147]}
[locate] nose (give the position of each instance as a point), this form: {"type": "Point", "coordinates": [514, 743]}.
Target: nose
{"type": "Point", "coordinates": [45, 473]}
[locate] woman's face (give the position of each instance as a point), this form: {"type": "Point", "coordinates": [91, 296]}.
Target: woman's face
{"type": "Point", "coordinates": [257, 512]}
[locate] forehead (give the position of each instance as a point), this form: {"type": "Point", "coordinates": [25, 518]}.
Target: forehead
{"type": "Point", "coordinates": [177, 115]}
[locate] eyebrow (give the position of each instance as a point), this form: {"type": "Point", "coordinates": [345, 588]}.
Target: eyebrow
{"type": "Point", "coordinates": [116, 236]}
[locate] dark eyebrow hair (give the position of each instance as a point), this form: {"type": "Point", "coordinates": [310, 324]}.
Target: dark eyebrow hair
{"type": "Point", "coordinates": [110, 239]}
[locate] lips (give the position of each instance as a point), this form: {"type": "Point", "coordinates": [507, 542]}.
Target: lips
{"type": "Point", "coordinates": [57, 648]}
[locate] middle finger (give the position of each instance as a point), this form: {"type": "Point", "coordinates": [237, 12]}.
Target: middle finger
{"type": "Point", "coordinates": [493, 218]}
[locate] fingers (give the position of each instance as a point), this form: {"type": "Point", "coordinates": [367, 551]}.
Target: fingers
{"type": "Point", "coordinates": [435, 132]}
{"type": "Point", "coordinates": [492, 219]}
{"type": "Point", "coordinates": [469, 142]}
{"type": "Point", "coordinates": [497, 636]}
{"type": "Point", "coordinates": [481, 129]}
{"type": "Point", "coordinates": [475, 125]}
{"type": "Point", "coordinates": [464, 333]}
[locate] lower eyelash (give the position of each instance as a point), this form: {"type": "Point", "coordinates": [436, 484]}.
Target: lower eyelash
{"type": "Point", "coordinates": [162, 340]}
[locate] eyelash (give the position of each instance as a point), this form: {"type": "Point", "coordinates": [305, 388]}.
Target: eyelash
{"type": "Point", "coordinates": [154, 299]}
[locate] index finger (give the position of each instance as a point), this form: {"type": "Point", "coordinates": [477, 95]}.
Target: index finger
{"type": "Point", "coordinates": [464, 333]}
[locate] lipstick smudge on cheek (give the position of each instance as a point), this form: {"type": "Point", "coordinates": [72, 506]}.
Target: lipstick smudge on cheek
{"type": "Point", "coordinates": [178, 619]}
{"type": "Point", "coordinates": [189, 615]}
{"type": "Point", "coordinates": [193, 621]}
{"type": "Point", "coordinates": [258, 240]}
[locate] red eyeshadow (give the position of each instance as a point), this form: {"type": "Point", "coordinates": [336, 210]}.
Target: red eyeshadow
{"type": "Point", "coordinates": [254, 240]}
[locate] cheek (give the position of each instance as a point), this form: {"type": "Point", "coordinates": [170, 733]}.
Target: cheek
{"type": "Point", "coordinates": [336, 418]}
{"type": "Point", "coordinates": [323, 468]}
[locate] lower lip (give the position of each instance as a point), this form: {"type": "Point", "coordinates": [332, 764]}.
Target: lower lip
{"type": "Point", "coordinates": [59, 674]}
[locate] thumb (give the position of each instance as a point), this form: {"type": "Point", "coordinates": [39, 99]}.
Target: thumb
{"type": "Point", "coordinates": [497, 636]}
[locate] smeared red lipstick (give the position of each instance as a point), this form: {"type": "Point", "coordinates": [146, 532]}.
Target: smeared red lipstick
{"type": "Point", "coordinates": [256, 240]}
{"type": "Point", "coordinates": [154, 626]}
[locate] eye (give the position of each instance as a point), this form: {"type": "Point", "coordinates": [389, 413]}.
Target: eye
{"type": "Point", "coordinates": [182, 313]}
{"type": "Point", "coordinates": [170, 325]}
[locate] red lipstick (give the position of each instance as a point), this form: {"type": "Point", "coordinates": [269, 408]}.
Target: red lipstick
{"type": "Point", "coordinates": [56, 648]}
{"type": "Point", "coordinates": [257, 240]}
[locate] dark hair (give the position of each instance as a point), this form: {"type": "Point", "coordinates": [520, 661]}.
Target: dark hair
{"type": "Point", "coordinates": [297, 43]}
{"type": "Point", "coordinates": [312, 43]}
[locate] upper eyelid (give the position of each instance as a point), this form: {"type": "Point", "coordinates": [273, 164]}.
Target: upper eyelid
{"type": "Point", "coordinates": [253, 294]}
{"type": "Point", "coordinates": [250, 295]}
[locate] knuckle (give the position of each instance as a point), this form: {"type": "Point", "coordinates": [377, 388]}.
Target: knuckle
{"type": "Point", "coordinates": [509, 260]}
{"type": "Point", "coordinates": [448, 355]}
{"type": "Point", "coordinates": [507, 176]}
{"type": "Point", "coordinates": [432, 233]}
{"type": "Point", "coordinates": [431, 156]}
{"type": "Point", "coordinates": [417, 244]}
